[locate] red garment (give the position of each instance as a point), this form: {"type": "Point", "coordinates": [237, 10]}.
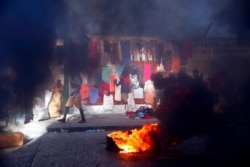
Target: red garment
{"type": "Point", "coordinates": [126, 79]}
{"type": "Point", "coordinates": [176, 64]}
{"type": "Point", "coordinates": [105, 87]}
{"type": "Point", "coordinates": [84, 91]}
{"type": "Point", "coordinates": [112, 84]}
{"type": "Point", "coordinates": [130, 113]}
{"type": "Point", "coordinates": [147, 117]}
{"type": "Point", "coordinates": [140, 64]}
{"type": "Point", "coordinates": [147, 72]}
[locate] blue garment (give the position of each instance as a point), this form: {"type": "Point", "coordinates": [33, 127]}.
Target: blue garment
{"type": "Point", "coordinates": [125, 46]}
{"type": "Point", "coordinates": [93, 95]}
{"type": "Point", "coordinates": [125, 88]}
{"type": "Point", "coordinates": [98, 81]}
{"type": "Point", "coordinates": [140, 114]}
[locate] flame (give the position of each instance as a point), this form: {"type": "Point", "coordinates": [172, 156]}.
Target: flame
{"type": "Point", "coordinates": [136, 140]}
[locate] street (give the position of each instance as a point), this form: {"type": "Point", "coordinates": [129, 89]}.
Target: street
{"type": "Point", "coordinates": [83, 149]}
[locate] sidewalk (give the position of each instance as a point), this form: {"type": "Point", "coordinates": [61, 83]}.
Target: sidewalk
{"type": "Point", "coordinates": [98, 122]}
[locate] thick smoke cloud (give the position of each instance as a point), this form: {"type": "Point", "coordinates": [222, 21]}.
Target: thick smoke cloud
{"type": "Point", "coordinates": [236, 16]}
{"type": "Point", "coordinates": [27, 41]}
{"type": "Point", "coordinates": [164, 18]}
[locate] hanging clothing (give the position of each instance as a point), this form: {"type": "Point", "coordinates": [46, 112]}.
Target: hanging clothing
{"type": "Point", "coordinates": [118, 93]}
{"type": "Point", "coordinates": [98, 78]}
{"type": "Point", "coordinates": [105, 87]}
{"type": "Point", "coordinates": [126, 84]}
{"type": "Point", "coordinates": [149, 91]}
{"type": "Point", "coordinates": [107, 47]}
{"type": "Point", "coordinates": [117, 88]}
{"type": "Point", "coordinates": [112, 83]}
{"type": "Point", "coordinates": [166, 60]}
{"type": "Point", "coordinates": [134, 51]}
{"type": "Point", "coordinates": [153, 48]}
{"type": "Point", "coordinates": [125, 46]}
{"type": "Point", "coordinates": [114, 52]}
{"type": "Point", "coordinates": [147, 71]}
{"type": "Point", "coordinates": [134, 81]}
{"type": "Point", "coordinates": [119, 51]}
{"type": "Point", "coordinates": [108, 102]}
{"type": "Point", "coordinates": [93, 95]}
{"type": "Point", "coordinates": [138, 93]}
{"type": "Point", "coordinates": [159, 54]}
{"type": "Point", "coordinates": [131, 102]}
{"type": "Point", "coordinates": [176, 64]}
{"type": "Point", "coordinates": [119, 68]}
{"type": "Point", "coordinates": [124, 97]}
{"type": "Point", "coordinates": [106, 71]}
{"type": "Point", "coordinates": [84, 91]}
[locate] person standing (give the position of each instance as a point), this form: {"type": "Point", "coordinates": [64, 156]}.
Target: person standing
{"type": "Point", "coordinates": [74, 97]}
{"type": "Point", "coordinates": [56, 100]}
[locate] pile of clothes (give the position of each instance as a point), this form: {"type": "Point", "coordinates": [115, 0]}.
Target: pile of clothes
{"type": "Point", "coordinates": [143, 112]}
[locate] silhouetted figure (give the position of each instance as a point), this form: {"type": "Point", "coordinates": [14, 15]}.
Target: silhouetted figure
{"type": "Point", "coordinates": [74, 97]}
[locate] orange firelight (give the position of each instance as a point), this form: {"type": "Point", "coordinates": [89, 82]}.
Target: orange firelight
{"type": "Point", "coordinates": [136, 140]}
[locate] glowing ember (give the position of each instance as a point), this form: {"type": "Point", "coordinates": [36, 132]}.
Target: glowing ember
{"type": "Point", "coordinates": [136, 140]}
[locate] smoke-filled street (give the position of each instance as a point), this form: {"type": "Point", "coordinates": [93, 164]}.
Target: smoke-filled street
{"type": "Point", "coordinates": [76, 77]}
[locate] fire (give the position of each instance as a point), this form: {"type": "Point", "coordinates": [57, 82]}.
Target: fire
{"type": "Point", "coordinates": [136, 140]}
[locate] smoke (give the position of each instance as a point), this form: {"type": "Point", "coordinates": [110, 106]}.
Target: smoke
{"type": "Point", "coordinates": [161, 18]}
{"type": "Point", "coordinates": [186, 107]}
{"type": "Point", "coordinates": [235, 16]}
{"type": "Point", "coordinates": [27, 40]}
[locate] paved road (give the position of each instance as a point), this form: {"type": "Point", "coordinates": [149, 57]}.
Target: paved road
{"type": "Point", "coordinates": [51, 143]}
{"type": "Point", "coordinates": [88, 149]}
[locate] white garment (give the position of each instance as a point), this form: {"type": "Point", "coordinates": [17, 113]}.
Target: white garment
{"type": "Point", "coordinates": [160, 68]}
{"type": "Point", "coordinates": [138, 93]}
{"type": "Point", "coordinates": [149, 86]}
{"type": "Point", "coordinates": [118, 96]}
{"type": "Point", "coordinates": [134, 81]}
{"type": "Point", "coordinates": [143, 55]}
{"type": "Point", "coordinates": [149, 92]}
{"type": "Point", "coordinates": [108, 102]}
{"type": "Point", "coordinates": [131, 102]}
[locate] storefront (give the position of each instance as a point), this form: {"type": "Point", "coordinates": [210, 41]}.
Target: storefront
{"type": "Point", "coordinates": [118, 78]}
